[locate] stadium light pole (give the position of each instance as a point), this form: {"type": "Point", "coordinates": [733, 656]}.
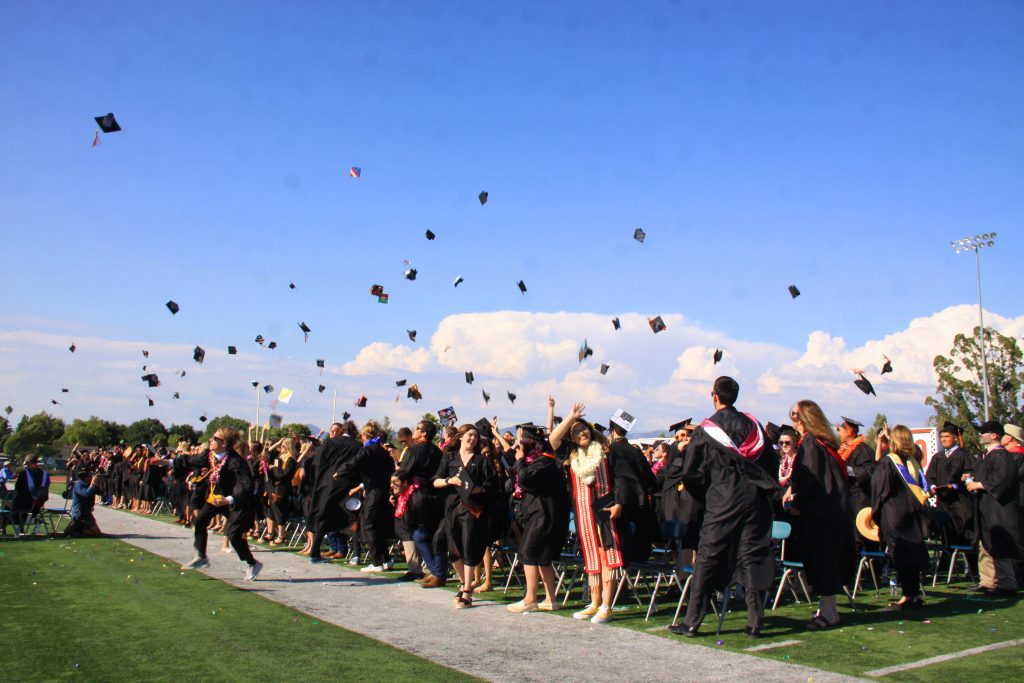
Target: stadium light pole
{"type": "Point", "coordinates": [974, 244]}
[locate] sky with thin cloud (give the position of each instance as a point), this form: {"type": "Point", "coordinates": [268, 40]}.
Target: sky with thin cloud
{"type": "Point", "coordinates": [840, 148]}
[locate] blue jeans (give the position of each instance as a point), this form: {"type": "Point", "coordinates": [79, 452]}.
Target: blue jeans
{"type": "Point", "coordinates": [437, 563]}
{"type": "Point", "coordinates": [338, 543]}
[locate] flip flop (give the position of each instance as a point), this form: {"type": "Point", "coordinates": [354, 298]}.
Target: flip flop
{"type": "Point", "coordinates": [818, 623]}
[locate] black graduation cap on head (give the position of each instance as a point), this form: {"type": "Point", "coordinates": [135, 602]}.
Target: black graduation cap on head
{"type": "Point", "coordinates": [864, 385]}
{"type": "Point", "coordinates": [291, 285]}
{"type": "Point", "coordinates": [232, 350]}
{"type": "Point", "coordinates": [151, 379]}
{"type": "Point", "coordinates": [267, 388]}
{"type": "Point", "coordinates": [272, 345]}
{"type": "Point", "coordinates": [430, 235]}
{"type": "Point", "coordinates": [176, 395]}
{"type": "Point", "coordinates": [585, 351]}
{"type": "Point", "coordinates": [65, 391]}
{"type": "Point", "coordinates": [656, 323]}
{"type": "Point", "coordinates": [887, 367]}
{"type": "Point", "coordinates": [682, 424]}
{"type": "Point", "coordinates": [72, 347]}
{"type": "Point", "coordinates": [616, 324]}
{"type": "Point", "coordinates": [469, 377]}
{"type": "Point", "coordinates": [412, 334]}
{"type": "Point", "coordinates": [604, 368]}
{"type": "Point", "coordinates": [173, 307]}
{"type": "Point", "coordinates": [522, 286]}
{"type": "Point", "coordinates": [259, 339]}
{"type": "Point", "coordinates": [458, 281]}
{"type": "Point", "coordinates": [717, 356]}
{"type": "Point", "coordinates": [411, 274]}
{"type": "Point", "coordinates": [793, 291]}
{"type": "Point", "coordinates": [198, 354]}
{"type": "Point", "coordinates": [400, 383]}
{"type": "Point", "coordinates": [950, 428]}
{"type": "Point", "coordinates": [145, 353]}
{"type": "Point", "coordinates": [319, 363]}
{"type": "Point", "coordinates": [321, 388]}
{"type": "Point", "coordinates": [151, 402]}
{"type": "Point", "coordinates": [107, 123]}
{"type": "Point", "coordinates": [305, 331]}
{"type": "Point", "coordinates": [361, 401]}
{"type": "Point", "coordinates": [850, 421]}
{"type": "Point", "coordinates": [414, 392]}
{"type": "Point", "coordinates": [482, 197]}
{"type": "Point", "coordinates": [346, 415]}
{"type": "Point", "coordinates": [599, 427]}
{"type": "Point", "coordinates": [511, 397]}
{"type": "Point", "coordinates": [639, 235]}
{"type": "Point", "coordinates": [202, 418]}
{"type": "Point", "coordinates": [484, 427]}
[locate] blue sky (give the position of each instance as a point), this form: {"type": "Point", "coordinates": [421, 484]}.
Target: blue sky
{"type": "Point", "coordinates": [839, 147]}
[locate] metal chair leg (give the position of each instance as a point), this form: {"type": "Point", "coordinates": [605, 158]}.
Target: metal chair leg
{"type": "Point", "coordinates": [782, 585]}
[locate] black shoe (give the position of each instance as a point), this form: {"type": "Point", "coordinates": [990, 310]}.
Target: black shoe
{"type": "Point", "coordinates": [684, 630]}
{"type": "Point", "coordinates": [410, 576]}
{"type": "Point", "coordinates": [978, 588]}
{"type": "Point", "coordinates": [1000, 592]}
{"type": "Point", "coordinates": [752, 631]}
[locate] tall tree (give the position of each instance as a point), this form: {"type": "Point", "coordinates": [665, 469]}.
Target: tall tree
{"type": "Point", "coordinates": [38, 433]}
{"type": "Point", "coordinates": [225, 421]}
{"type": "Point", "coordinates": [871, 436]}
{"type": "Point", "coordinates": [959, 396]}
{"type": "Point", "coordinates": [186, 433]}
{"type": "Point", "coordinates": [149, 430]}
{"type": "Point", "coordinates": [91, 432]}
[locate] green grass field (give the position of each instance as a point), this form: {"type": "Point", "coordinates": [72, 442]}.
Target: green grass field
{"type": "Point", "coordinates": [100, 609]}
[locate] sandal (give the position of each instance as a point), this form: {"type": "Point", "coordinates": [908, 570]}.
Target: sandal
{"type": "Point", "coordinates": [464, 600]}
{"type": "Point", "coordinates": [818, 623]}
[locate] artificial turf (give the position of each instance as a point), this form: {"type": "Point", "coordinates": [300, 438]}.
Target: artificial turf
{"type": "Point", "coordinates": [101, 609]}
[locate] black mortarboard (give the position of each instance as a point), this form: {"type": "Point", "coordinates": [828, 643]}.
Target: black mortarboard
{"type": "Point", "coordinates": [458, 281]}
{"type": "Point", "coordinates": [864, 385]}
{"type": "Point", "coordinates": [291, 285]}
{"type": "Point", "coordinates": [532, 431]}
{"type": "Point", "coordinates": [151, 402]}
{"type": "Point", "coordinates": [198, 354]}
{"type": "Point", "coordinates": [144, 367]}
{"type": "Point", "coordinates": [272, 345]}
{"type": "Point", "coordinates": [522, 286]}
{"type": "Point", "coordinates": [487, 397]}
{"type": "Point", "coordinates": [950, 428]}
{"type": "Point", "coordinates": [202, 418]}
{"type": "Point", "coordinates": [361, 401]}
{"type": "Point", "coordinates": [151, 379]}
{"type": "Point", "coordinates": [54, 402]}
{"type": "Point", "coordinates": [176, 395]}
{"type": "Point", "coordinates": [616, 324]}
{"type": "Point", "coordinates": [682, 424]}
{"type": "Point", "coordinates": [65, 391]}
{"type": "Point", "coordinates": [232, 350]}
{"type": "Point", "coordinates": [850, 421]}
{"type": "Point", "coordinates": [107, 123]}
{"type": "Point", "coordinates": [414, 392]}
{"type": "Point", "coordinates": [255, 384]}
{"type": "Point", "coordinates": [412, 334]}
{"type": "Point", "coordinates": [483, 197]}
{"type": "Point", "coordinates": [346, 415]}
{"type": "Point", "coordinates": [400, 383]}
{"type": "Point", "coordinates": [305, 331]}
{"type": "Point", "coordinates": [484, 427]}
{"type": "Point", "coordinates": [319, 363]}
{"type": "Point", "coordinates": [181, 374]}
{"type": "Point", "coordinates": [599, 427]}
{"type": "Point", "coordinates": [773, 432]}
{"type": "Point", "coordinates": [511, 397]}
{"type": "Point", "coordinates": [604, 368]}
{"type": "Point", "coordinates": [469, 377]}
{"type": "Point", "coordinates": [639, 235]}
{"type": "Point", "coordinates": [887, 367]}
{"type": "Point", "coordinates": [267, 388]}
{"type": "Point", "coordinates": [585, 351]}
{"type": "Point", "coordinates": [718, 356]}
{"type": "Point", "coordinates": [377, 290]}
{"type": "Point", "coordinates": [173, 307]}
{"type": "Point", "coordinates": [259, 339]}
{"type": "Point", "coordinates": [991, 427]}
{"type": "Point", "coordinates": [72, 347]}
{"type": "Point", "coordinates": [656, 323]}
{"type": "Point", "coordinates": [793, 291]}
{"type": "Point", "coordinates": [145, 353]}
{"type": "Point", "coordinates": [410, 274]}
{"type": "Point", "coordinates": [321, 388]}
{"type": "Point", "coordinates": [430, 235]}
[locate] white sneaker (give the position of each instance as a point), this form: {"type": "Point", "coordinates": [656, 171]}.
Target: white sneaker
{"type": "Point", "coordinates": [252, 571]}
{"type": "Point", "coordinates": [354, 562]}
{"type": "Point", "coordinates": [197, 562]}
{"type": "Point", "coordinates": [604, 613]}
{"type": "Point", "coordinates": [388, 566]}
{"type": "Point", "coordinates": [372, 569]}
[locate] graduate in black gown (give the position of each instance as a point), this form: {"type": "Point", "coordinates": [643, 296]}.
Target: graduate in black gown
{"type": "Point", "coordinates": [326, 511]}
{"type": "Point", "coordinates": [820, 500]}
{"type": "Point", "coordinates": [678, 503]}
{"type": "Point", "coordinates": [419, 504]}
{"type": "Point", "coordinates": [280, 471]}
{"type": "Point", "coordinates": [634, 482]}
{"type": "Point", "coordinates": [372, 469]}
{"type": "Point", "coordinates": [997, 492]}
{"type": "Point", "coordinates": [945, 474]}
{"type": "Point", "coordinates": [730, 463]}
{"type": "Point", "coordinates": [31, 491]}
{"type": "Point", "coordinates": [542, 515]}
{"type": "Point", "coordinates": [860, 465]}
{"type": "Point", "coordinates": [470, 482]}
{"type": "Point", "coordinates": [899, 513]}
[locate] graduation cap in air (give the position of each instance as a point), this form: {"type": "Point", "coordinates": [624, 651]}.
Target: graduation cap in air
{"type": "Point", "coordinates": [176, 395]}
{"type": "Point", "coordinates": [346, 415]}
{"type": "Point", "coordinates": [487, 397]}
{"type": "Point", "coordinates": [482, 197]}
{"type": "Point", "coordinates": [361, 401]}
{"type": "Point", "coordinates": [412, 334]}
{"type": "Point", "coordinates": [232, 350]}
{"type": "Point", "coordinates": [305, 331]}
{"type": "Point", "coordinates": [72, 347]}
{"type": "Point", "coordinates": [414, 392]}
{"type": "Point", "coordinates": [717, 356]}
{"type": "Point", "coordinates": [355, 172]}
{"type": "Point", "coordinates": [199, 354]}
{"type": "Point", "coordinates": [65, 391]}
{"type": "Point", "coordinates": [259, 339]}
{"type": "Point", "coordinates": [107, 123]}
{"type": "Point", "coordinates": [151, 379]}
{"type": "Point", "coordinates": [272, 345]}
{"type": "Point", "coordinates": [430, 235]}
{"type": "Point", "coordinates": [410, 274]}
{"type": "Point", "coordinates": [291, 285]}
{"type": "Point", "coordinates": [54, 402]}
{"type": "Point", "coordinates": [181, 374]}
{"type": "Point", "coordinates": [267, 388]}
{"type": "Point", "coordinates": [639, 235]}
{"type": "Point", "coordinates": [377, 290]}
{"type": "Point", "coordinates": [585, 351]}
{"type": "Point", "coordinates": [793, 291]}
{"type": "Point", "coordinates": [151, 401]}
{"type": "Point", "coordinates": [173, 307]}
{"type": "Point", "coordinates": [382, 299]}
{"type": "Point", "coordinates": [469, 377]}
{"type": "Point", "coordinates": [255, 384]}
{"type": "Point", "coordinates": [888, 365]}
{"type": "Point", "coordinates": [320, 364]}
{"type": "Point", "coordinates": [203, 418]}
{"type": "Point", "coordinates": [144, 368]}
{"type": "Point", "coordinates": [864, 385]}
{"type": "Point", "coordinates": [656, 323]}
{"type": "Point", "coordinates": [682, 424]}
{"type": "Point", "coordinates": [522, 286]}
{"type": "Point", "coordinates": [616, 324]}
{"type": "Point", "coordinates": [321, 388]}
{"type": "Point", "coordinates": [484, 427]}
{"type": "Point", "coordinates": [604, 368]}
{"type": "Point", "coordinates": [400, 383]}
{"type": "Point", "coordinates": [145, 353]}
{"type": "Point", "coordinates": [458, 281]}
{"type": "Point", "coordinates": [511, 397]}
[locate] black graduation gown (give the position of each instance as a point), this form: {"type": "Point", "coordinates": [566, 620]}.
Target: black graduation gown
{"type": "Point", "coordinates": [678, 505]}
{"type": "Point", "coordinates": [633, 481]}
{"type": "Point", "coordinates": [279, 483]}
{"type": "Point", "coordinates": [945, 468]}
{"type": "Point", "coordinates": [235, 480]}
{"type": "Point", "coordinates": [863, 463]}
{"type": "Point", "coordinates": [424, 508]}
{"type": "Point", "coordinates": [372, 467]}
{"type": "Point", "coordinates": [328, 493]}
{"type": "Point", "coordinates": [825, 522]}
{"type": "Point", "coordinates": [998, 517]}
{"type": "Point", "coordinates": [24, 501]}
{"type": "Point", "coordinates": [468, 531]}
{"type": "Point", "coordinates": [735, 538]}
{"type": "Point", "coordinates": [899, 518]}
{"type": "Point", "coordinates": [543, 510]}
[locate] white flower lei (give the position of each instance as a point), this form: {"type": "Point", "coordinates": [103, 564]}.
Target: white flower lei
{"type": "Point", "coordinates": [585, 462]}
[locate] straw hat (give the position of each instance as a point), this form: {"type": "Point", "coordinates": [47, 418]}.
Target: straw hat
{"type": "Point", "coordinates": [1015, 431]}
{"type": "Point", "coordinates": [866, 525]}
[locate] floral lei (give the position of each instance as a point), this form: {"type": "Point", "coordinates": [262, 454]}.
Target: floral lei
{"type": "Point", "coordinates": [585, 463]}
{"type": "Point", "coordinates": [847, 449]}
{"type": "Point", "coordinates": [215, 468]}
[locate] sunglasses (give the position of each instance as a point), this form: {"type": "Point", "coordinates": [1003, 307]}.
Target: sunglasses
{"type": "Point", "coordinates": [785, 443]}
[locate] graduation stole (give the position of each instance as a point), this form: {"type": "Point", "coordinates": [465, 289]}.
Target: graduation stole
{"type": "Point", "coordinates": [847, 449]}
{"type": "Point", "coordinates": [751, 447]}
{"type": "Point", "coordinates": [913, 477]}
{"type": "Point", "coordinates": [33, 490]}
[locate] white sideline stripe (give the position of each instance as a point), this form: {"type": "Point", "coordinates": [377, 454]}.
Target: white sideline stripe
{"type": "Point", "coordinates": [769, 646]}
{"type": "Point", "coordinates": [944, 658]}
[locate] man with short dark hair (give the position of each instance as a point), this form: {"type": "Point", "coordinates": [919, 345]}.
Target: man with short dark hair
{"type": "Point", "coordinates": [31, 491]}
{"type": "Point", "coordinates": [996, 487]}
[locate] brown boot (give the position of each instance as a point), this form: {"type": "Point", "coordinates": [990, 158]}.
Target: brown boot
{"type": "Point", "coordinates": [432, 582]}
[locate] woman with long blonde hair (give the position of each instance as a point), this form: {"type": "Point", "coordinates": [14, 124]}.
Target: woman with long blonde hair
{"type": "Point", "coordinates": [279, 490]}
{"type": "Point", "coordinates": [820, 499]}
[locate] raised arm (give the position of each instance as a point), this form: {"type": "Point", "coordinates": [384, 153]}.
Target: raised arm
{"type": "Point", "coordinates": [558, 433]}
